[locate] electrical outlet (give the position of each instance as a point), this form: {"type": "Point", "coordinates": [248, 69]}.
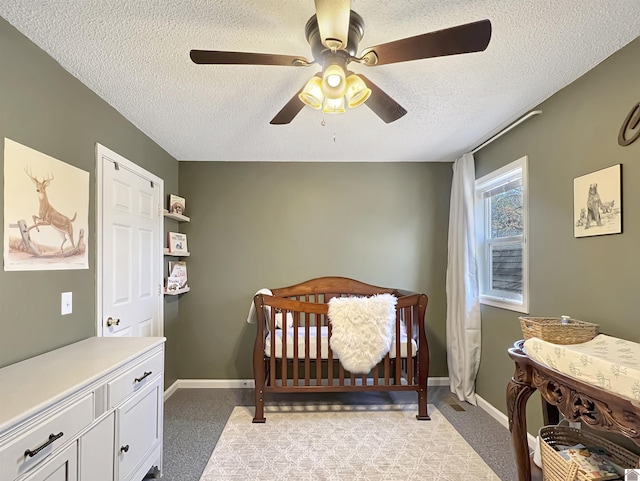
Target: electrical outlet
{"type": "Point", "coordinates": [66, 303]}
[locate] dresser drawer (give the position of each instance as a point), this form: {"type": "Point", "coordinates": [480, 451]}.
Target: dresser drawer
{"type": "Point", "coordinates": [134, 379]}
{"type": "Point", "coordinates": [17, 457]}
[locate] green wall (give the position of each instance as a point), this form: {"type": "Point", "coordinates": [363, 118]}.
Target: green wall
{"type": "Point", "coordinates": [594, 279]}
{"type": "Point", "coordinates": [44, 107]}
{"type": "Point", "coordinates": [257, 225]}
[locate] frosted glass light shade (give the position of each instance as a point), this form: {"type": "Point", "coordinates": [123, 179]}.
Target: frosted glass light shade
{"type": "Point", "coordinates": [357, 91]}
{"type": "Point", "coordinates": [333, 106]}
{"type": "Point", "coordinates": [333, 82]}
{"type": "Point", "coordinates": [311, 94]}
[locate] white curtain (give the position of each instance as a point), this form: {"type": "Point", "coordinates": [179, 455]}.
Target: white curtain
{"type": "Point", "coordinates": [463, 302]}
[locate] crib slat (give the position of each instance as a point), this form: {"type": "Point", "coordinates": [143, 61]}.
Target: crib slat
{"type": "Point", "coordinates": [307, 361]}
{"type": "Point", "coordinates": [341, 376]}
{"type": "Point", "coordinates": [283, 375]}
{"type": "Point", "coordinates": [375, 375]}
{"type": "Point", "coordinates": [387, 368]}
{"type": "Point", "coordinates": [318, 349]}
{"type": "Point", "coordinates": [296, 324]}
{"type": "Point", "coordinates": [330, 352]}
{"type": "Point", "coordinates": [398, 376]}
{"type": "Point", "coordinates": [408, 321]}
{"type": "Point", "coordinates": [272, 360]}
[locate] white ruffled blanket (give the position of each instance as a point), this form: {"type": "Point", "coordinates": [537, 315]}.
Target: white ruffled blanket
{"type": "Point", "coordinates": [362, 330]}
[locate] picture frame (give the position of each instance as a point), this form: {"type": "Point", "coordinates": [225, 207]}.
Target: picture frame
{"type": "Point", "coordinates": [597, 202]}
{"type": "Point", "coordinates": [177, 204]}
{"type": "Point", "coordinates": [177, 243]}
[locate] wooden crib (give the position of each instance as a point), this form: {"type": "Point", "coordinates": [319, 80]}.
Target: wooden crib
{"type": "Point", "coordinates": [310, 365]}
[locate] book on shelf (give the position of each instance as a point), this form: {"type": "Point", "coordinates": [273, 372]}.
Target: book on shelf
{"type": "Point", "coordinates": [593, 465]}
{"type": "Point", "coordinates": [177, 204]}
{"type": "Point", "coordinates": [177, 274]}
{"type": "Point", "coordinates": [177, 243]}
{"type": "Point", "coordinates": [173, 284]}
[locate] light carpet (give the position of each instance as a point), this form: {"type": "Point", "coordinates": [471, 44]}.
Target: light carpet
{"type": "Point", "coordinates": [342, 442]}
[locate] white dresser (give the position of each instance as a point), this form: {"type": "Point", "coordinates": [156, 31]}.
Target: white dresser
{"type": "Point", "coordinates": [90, 411]}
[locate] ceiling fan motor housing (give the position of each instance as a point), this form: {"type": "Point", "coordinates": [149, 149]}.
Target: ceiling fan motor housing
{"type": "Point", "coordinates": [356, 32]}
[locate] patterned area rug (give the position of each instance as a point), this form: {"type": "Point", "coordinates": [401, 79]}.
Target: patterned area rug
{"type": "Point", "coordinates": [335, 442]}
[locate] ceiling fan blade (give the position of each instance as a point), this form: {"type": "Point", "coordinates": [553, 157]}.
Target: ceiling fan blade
{"type": "Point", "coordinates": [289, 111]}
{"type": "Point", "coordinates": [217, 57]}
{"type": "Point", "coordinates": [382, 105]}
{"type": "Point", "coordinates": [333, 22]}
{"type": "Point", "coordinates": [471, 37]}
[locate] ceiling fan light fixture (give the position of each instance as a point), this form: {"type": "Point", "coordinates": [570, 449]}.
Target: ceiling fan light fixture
{"type": "Point", "coordinates": [311, 94]}
{"type": "Point", "coordinates": [334, 81]}
{"type": "Point", "coordinates": [333, 106]}
{"type": "Point", "coordinates": [357, 91]}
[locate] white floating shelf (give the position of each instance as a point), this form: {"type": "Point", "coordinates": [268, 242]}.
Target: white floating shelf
{"type": "Point", "coordinates": [178, 217]}
{"type": "Point", "coordinates": [177, 292]}
{"type": "Point", "coordinates": [176, 254]}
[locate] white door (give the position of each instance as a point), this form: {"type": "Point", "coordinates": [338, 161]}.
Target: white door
{"type": "Point", "coordinates": [129, 248]}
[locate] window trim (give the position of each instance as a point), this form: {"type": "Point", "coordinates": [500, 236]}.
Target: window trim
{"type": "Point", "coordinates": [487, 182]}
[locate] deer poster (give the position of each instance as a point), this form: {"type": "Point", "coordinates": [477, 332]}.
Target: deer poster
{"type": "Point", "coordinates": [46, 212]}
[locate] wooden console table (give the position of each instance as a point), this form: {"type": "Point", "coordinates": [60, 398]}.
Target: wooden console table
{"type": "Point", "coordinates": [576, 400]}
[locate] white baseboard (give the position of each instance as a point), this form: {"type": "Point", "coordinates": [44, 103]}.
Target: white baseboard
{"type": "Point", "coordinates": [438, 381]}
{"type": "Point", "coordinates": [247, 383]}
{"type": "Point", "coordinates": [502, 418]}
{"type": "Point", "coordinates": [216, 383]}
{"type": "Point", "coordinates": [170, 390]}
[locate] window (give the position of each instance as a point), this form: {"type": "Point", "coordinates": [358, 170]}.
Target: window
{"type": "Point", "coordinates": [502, 229]}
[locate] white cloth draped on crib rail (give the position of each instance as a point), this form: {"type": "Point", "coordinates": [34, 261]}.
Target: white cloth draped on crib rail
{"type": "Point", "coordinates": [252, 317]}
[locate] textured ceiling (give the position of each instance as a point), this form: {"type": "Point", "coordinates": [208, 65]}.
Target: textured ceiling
{"type": "Point", "coordinates": [135, 55]}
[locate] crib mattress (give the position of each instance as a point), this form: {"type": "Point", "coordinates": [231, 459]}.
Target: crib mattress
{"type": "Point", "coordinates": [608, 362]}
{"type": "Point", "coordinates": [324, 343]}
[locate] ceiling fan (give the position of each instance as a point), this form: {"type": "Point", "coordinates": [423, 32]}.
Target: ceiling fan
{"type": "Point", "coordinates": [334, 34]}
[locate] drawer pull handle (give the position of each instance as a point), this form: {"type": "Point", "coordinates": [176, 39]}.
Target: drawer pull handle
{"type": "Point", "coordinates": [124, 449]}
{"type": "Point", "coordinates": [52, 438]}
{"type": "Point", "coordinates": [146, 374]}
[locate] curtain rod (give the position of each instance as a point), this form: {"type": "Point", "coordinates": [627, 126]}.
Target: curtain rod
{"type": "Point", "coordinates": [507, 129]}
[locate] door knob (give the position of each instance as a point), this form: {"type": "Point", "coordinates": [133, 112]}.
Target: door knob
{"type": "Point", "coordinates": [113, 322]}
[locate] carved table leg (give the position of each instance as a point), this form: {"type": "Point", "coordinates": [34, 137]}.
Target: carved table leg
{"type": "Point", "coordinates": [518, 393]}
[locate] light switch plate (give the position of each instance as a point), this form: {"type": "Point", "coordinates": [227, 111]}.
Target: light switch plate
{"type": "Point", "coordinates": [66, 304]}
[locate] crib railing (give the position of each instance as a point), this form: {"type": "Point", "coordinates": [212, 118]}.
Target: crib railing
{"type": "Point", "coordinates": [310, 366]}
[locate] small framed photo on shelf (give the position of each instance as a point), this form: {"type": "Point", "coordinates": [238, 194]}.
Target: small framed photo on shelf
{"type": "Point", "coordinates": [177, 243]}
{"type": "Point", "coordinates": [597, 202]}
{"type": "Point", "coordinates": [177, 204]}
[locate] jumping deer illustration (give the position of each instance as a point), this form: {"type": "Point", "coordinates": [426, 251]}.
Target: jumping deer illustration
{"type": "Point", "coordinates": [48, 215]}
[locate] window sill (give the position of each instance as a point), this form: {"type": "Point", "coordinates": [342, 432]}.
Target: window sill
{"type": "Point", "coordinates": [504, 303]}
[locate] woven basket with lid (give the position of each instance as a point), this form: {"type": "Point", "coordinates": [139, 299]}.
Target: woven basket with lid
{"type": "Point", "coordinates": [551, 329]}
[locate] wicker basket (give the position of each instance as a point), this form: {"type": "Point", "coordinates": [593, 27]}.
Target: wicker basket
{"type": "Point", "coordinates": [552, 330]}
{"type": "Point", "coordinates": [556, 468]}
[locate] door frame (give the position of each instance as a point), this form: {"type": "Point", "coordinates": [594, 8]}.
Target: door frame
{"type": "Point", "coordinates": [102, 151]}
